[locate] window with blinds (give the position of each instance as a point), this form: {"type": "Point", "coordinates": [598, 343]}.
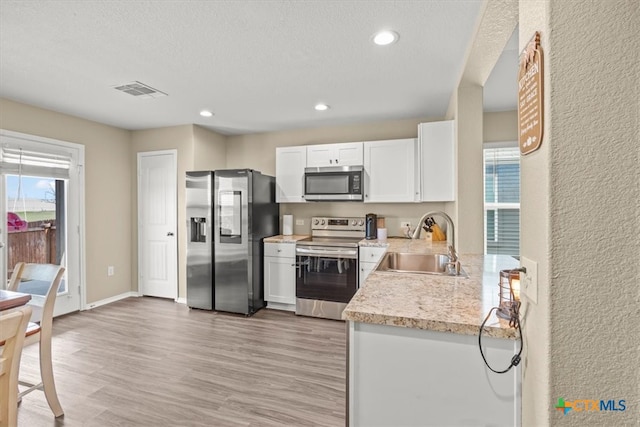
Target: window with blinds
{"type": "Point", "coordinates": [17, 160]}
{"type": "Point", "coordinates": [502, 200]}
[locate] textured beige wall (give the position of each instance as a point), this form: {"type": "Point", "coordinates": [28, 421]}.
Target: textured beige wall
{"type": "Point", "coordinates": [537, 405]}
{"type": "Point", "coordinates": [107, 190]}
{"type": "Point", "coordinates": [579, 214]}
{"type": "Point", "coordinates": [468, 211]}
{"type": "Point", "coordinates": [499, 127]}
{"type": "Point", "coordinates": [209, 149]}
{"type": "Point", "coordinates": [594, 188]}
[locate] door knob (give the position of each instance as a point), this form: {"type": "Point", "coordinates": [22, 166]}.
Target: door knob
{"type": "Point", "coordinates": [169, 233]}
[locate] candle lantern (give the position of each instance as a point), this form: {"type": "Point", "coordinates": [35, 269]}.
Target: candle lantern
{"type": "Point", "coordinates": [509, 294]}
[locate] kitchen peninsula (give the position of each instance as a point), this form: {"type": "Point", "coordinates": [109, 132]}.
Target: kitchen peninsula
{"type": "Point", "coordinates": [413, 346]}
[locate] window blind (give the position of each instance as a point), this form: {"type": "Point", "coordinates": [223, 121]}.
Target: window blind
{"type": "Point", "coordinates": [502, 200]}
{"type": "Point", "coordinates": [17, 160]}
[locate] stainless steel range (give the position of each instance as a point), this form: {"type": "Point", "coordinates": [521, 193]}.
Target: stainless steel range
{"type": "Point", "coordinates": [327, 266]}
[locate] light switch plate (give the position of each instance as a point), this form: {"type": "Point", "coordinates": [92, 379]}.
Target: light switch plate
{"type": "Point", "coordinates": [299, 221]}
{"type": "Point", "coordinates": [529, 286]}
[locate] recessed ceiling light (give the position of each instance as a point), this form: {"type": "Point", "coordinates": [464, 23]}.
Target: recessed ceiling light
{"type": "Point", "coordinates": [385, 37]}
{"type": "Point", "coordinates": [206, 113]}
{"type": "Point", "coordinates": [321, 107]}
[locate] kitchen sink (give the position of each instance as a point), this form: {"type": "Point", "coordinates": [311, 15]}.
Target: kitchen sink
{"type": "Point", "coordinates": [401, 262]}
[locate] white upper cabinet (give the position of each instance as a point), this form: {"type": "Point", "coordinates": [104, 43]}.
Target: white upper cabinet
{"type": "Point", "coordinates": [290, 164]}
{"type": "Point", "coordinates": [437, 161]}
{"type": "Point", "coordinates": [343, 154]}
{"type": "Point", "coordinates": [390, 171]}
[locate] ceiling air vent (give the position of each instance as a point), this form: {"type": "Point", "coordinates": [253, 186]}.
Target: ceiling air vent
{"type": "Point", "coordinates": [139, 90]}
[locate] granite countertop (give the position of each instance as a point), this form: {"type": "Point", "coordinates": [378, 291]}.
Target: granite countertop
{"type": "Point", "coordinates": [285, 239]}
{"type": "Point", "coordinates": [438, 303]}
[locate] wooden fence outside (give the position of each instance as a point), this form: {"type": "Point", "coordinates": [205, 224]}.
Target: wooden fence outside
{"type": "Point", "coordinates": [36, 244]}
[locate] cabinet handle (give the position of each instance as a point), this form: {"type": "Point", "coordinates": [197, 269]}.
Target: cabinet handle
{"type": "Point", "coordinates": [336, 160]}
{"type": "Point", "coordinates": [279, 250]}
{"type": "Point", "coordinates": [330, 161]}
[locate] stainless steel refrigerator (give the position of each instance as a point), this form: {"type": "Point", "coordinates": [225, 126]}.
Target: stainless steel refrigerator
{"type": "Point", "coordinates": [229, 214]}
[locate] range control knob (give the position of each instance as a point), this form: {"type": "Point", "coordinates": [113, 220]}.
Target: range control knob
{"type": "Point", "coordinates": [354, 222]}
{"type": "Point", "coordinates": [322, 222]}
{"type": "Point", "coordinates": [316, 222]}
{"type": "Point", "coordinates": [361, 222]}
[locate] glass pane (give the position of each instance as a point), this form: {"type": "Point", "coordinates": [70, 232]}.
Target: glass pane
{"type": "Point", "coordinates": [504, 239]}
{"type": "Point", "coordinates": [502, 186]}
{"type": "Point", "coordinates": [35, 225]}
{"type": "Point", "coordinates": [230, 213]}
{"type": "Point", "coordinates": [328, 184]}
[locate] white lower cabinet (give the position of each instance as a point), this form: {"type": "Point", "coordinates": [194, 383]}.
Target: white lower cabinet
{"type": "Point", "coordinates": [415, 377]}
{"type": "Point", "coordinates": [280, 275]}
{"type": "Point", "coordinates": [368, 260]}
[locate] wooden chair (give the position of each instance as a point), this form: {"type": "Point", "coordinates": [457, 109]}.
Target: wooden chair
{"type": "Point", "coordinates": [13, 325]}
{"type": "Point", "coordinates": [42, 332]}
{"type": "Point", "coordinates": [14, 281]}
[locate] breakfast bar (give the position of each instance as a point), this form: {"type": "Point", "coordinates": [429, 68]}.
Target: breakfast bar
{"type": "Point", "coordinates": [413, 345]}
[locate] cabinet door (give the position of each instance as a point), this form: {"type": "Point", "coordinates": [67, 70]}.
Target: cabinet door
{"type": "Point", "coordinates": [390, 171]}
{"type": "Point", "coordinates": [280, 280]}
{"type": "Point", "coordinates": [348, 154]}
{"type": "Point", "coordinates": [365, 269]}
{"type": "Point", "coordinates": [320, 155]}
{"type": "Point", "coordinates": [290, 164]}
{"type": "Point", "coordinates": [437, 161]}
{"type": "Point", "coordinates": [371, 253]}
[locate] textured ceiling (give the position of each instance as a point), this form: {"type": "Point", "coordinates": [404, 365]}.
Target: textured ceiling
{"type": "Point", "coordinates": [258, 65]}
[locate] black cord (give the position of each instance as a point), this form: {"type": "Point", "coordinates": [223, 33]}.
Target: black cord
{"type": "Point", "coordinates": [514, 322]}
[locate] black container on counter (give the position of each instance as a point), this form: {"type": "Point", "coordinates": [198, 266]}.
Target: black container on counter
{"type": "Point", "coordinates": [371, 227]}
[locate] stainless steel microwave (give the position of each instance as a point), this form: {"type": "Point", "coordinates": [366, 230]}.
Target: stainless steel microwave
{"type": "Point", "coordinates": [333, 183]}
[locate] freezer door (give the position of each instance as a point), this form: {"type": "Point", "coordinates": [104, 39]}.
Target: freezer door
{"type": "Point", "coordinates": [199, 240]}
{"type": "Point", "coordinates": [232, 256]}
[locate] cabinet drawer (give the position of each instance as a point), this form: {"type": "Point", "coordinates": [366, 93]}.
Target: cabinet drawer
{"type": "Point", "coordinates": [371, 254]}
{"type": "Point", "coordinates": [285, 250]}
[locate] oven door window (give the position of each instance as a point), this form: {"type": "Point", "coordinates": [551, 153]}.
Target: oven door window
{"type": "Point", "coordinates": [326, 278]}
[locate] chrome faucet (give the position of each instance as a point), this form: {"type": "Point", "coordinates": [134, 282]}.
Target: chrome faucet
{"type": "Point", "coordinates": [453, 266]}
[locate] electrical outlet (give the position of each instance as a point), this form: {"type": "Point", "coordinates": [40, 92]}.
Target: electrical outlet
{"type": "Point", "coordinates": [299, 221]}
{"type": "Point", "coordinates": [110, 270]}
{"type": "Point", "coordinates": [529, 280]}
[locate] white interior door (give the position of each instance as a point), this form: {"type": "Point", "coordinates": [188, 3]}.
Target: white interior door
{"type": "Point", "coordinates": [157, 224]}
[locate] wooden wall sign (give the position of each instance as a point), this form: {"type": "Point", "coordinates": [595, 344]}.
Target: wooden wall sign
{"type": "Point", "coordinates": [530, 96]}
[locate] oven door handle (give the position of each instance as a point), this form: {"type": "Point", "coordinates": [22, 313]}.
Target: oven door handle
{"type": "Point", "coordinates": [328, 253]}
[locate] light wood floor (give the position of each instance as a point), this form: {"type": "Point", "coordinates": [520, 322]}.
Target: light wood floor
{"type": "Point", "coordinates": [153, 362]}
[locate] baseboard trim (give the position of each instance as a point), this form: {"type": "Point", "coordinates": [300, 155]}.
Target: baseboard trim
{"type": "Point", "coordinates": [281, 306]}
{"type": "Point", "coordinates": [111, 299]}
